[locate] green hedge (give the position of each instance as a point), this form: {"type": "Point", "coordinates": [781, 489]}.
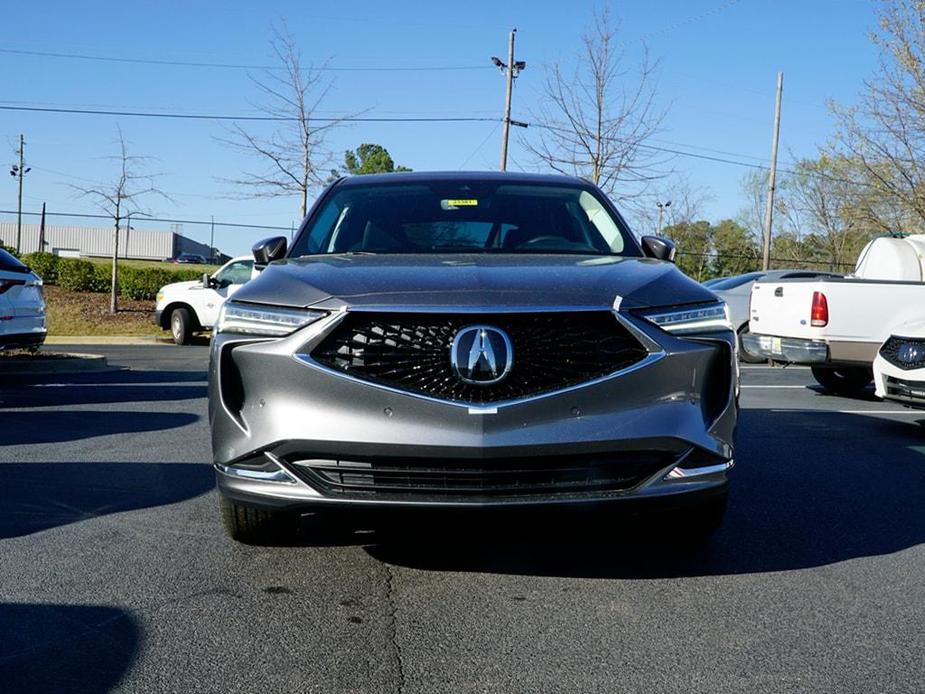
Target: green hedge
{"type": "Point", "coordinates": [143, 283]}
{"type": "Point", "coordinates": [9, 249]}
{"type": "Point", "coordinates": [45, 265]}
{"type": "Point", "coordinates": [83, 276]}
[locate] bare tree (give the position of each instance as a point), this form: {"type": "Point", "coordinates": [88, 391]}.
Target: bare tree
{"type": "Point", "coordinates": [594, 121]}
{"type": "Point", "coordinates": [885, 132]}
{"type": "Point", "coordinates": [294, 153]}
{"type": "Point", "coordinates": [119, 199]}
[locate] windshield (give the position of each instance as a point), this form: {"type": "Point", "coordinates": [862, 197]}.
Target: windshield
{"type": "Point", "coordinates": [468, 217]}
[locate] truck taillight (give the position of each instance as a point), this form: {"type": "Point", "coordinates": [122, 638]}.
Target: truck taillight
{"type": "Point", "coordinates": [819, 316]}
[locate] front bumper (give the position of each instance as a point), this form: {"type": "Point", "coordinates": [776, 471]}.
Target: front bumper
{"type": "Point", "coordinates": [904, 386]}
{"type": "Point", "coordinates": [156, 319]}
{"type": "Point", "coordinates": [276, 417]}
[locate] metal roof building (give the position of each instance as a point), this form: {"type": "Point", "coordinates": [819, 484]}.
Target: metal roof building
{"type": "Point", "coordinates": [77, 241]}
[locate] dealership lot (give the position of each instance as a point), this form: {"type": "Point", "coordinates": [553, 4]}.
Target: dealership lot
{"type": "Point", "coordinates": [116, 573]}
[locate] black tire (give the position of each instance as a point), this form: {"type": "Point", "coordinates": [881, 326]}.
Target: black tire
{"type": "Point", "coordinates": [256, 526]}
{"type": "Point", "coordinates": [744, 356]}
{"type": "Point", "coordinates": [849, 380]}
{"type": "Point", "coordinates": [181, 326]}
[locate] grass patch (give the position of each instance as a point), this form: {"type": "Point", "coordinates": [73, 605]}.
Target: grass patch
{"type": "Point", "coordinates": [87, 313]}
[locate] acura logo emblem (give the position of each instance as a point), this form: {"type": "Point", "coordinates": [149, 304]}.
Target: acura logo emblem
{"type": "Point", "coordinates": [481, 354]}
{"type": "Point", "coordinates": [910, 353]}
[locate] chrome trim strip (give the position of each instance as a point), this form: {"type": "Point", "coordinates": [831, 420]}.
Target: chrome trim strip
{"type": "Point", "coordinates": [679, 472]}
{"type": "Point", "coordinates": [279, 476]}
{"type": "Point", "coordinates": [656, 353]}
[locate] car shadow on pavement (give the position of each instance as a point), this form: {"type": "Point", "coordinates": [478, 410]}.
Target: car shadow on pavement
{"type": "Point", "coordinates": [65, 648]}
{"type": "Point", "coordinates": [809, 489]}
{"type": "Point", "coordinates": [39, 496]}
{"type": "Point", "coordinates": [103, 387]}
{"type": "Point", "coordinates": [50, 426]}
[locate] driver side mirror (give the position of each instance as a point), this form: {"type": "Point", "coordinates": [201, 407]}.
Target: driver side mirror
{"type": "Point", "coordinates": [659, 248]}
{"type": "Point", "coordinates": [207, 281]}
{"type": "Point", "coordinates": [268, 250]}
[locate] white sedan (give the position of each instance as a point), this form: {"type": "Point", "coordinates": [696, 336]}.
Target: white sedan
{"type": "Point", "coordinates": [22, 305]}
{"type": "Point", "coordinates": [899, 369]}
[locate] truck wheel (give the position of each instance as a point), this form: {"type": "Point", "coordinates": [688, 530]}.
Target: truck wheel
{"type": "Point", "coordinates": [181, 326]}
{"type": "Point", "coordinates": [744, 356]}
{"type": "Point", "coordinates": [256, 526]}
{"type": "Point", "coordinates": [849, 380]}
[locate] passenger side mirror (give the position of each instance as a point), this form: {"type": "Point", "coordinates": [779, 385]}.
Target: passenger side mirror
{"type": "Point", "coordinates": [268, 250]}
{"type": "Point", "coordinates": [659, 248]}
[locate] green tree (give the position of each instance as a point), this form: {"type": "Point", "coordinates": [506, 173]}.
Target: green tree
{"type": "Point", "coordinates": [695, 245]}
{"type": "Point", "coordinates": [367, 159]}
{"type": "Point", "coordinates": [737, 251]}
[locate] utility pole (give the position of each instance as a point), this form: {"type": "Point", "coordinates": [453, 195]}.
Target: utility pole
{"type": "Point", "coordinates": [511, 69]}
{"type": "Point", "coordinates": [212, 240]}
{"type": "Point", "coordinates": [20, 171]}
{"type": "Point", "coordinates": [772, 177]}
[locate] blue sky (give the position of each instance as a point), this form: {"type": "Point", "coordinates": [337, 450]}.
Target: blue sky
{"type": "Point", "coordinates": [719, 60]}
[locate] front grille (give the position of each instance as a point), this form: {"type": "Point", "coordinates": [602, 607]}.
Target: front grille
{"type": "Point", "coordinates": [890, 352]}
{"type": "Point", "coordinates": [535, 476]}
{"type": "Point", "coordinates": [411, 351]}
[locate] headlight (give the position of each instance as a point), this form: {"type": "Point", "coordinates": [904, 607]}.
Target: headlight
{"type": "Point", "coordinates": [160, 297]}
{"type": "Point", "coordinates": [693, 319]}
{"type": "Point", "coordinates": [251, 319]}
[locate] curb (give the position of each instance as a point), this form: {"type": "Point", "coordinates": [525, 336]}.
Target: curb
{"type": "Point", "coordinates": [64, 363]}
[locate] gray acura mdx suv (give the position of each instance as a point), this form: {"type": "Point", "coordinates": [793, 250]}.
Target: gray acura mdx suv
{"type": "Point", "coordinates": [469, 340]}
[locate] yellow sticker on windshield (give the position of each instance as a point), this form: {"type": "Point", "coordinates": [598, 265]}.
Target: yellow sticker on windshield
{"type": "Point", "coordinates": [462, 203]}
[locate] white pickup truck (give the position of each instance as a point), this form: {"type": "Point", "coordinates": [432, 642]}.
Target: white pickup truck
{"type": "Point", "coordinates": [185, 308]}
{"type": "Point", "coordinates": [836, 325]}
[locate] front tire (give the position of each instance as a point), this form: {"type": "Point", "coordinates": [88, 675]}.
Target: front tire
{"type": "Point", "coordinates": [181, 326]}
{"type": "Point", "coordinates": [849, 380]}
{"type": "Point", "coordinates": [256, 526]}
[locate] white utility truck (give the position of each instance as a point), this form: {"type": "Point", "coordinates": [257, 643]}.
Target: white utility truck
{"type": "Point", "coordinates": [185, 308]}
{"type": "Point", "coordinates": [836, 325]}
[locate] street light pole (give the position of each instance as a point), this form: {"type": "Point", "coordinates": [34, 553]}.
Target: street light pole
{"type": "Point", "coordinates": [20, 171]}
{"type": "Point", "coordinates": [662, 206]}
{"type": "Point", "coordinates": [511, 70]}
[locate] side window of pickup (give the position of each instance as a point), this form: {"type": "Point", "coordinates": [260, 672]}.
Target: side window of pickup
{"type": "Point", "coordinates": [236, 273]}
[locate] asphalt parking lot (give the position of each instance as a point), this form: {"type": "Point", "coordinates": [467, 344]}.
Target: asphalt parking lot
{"type": "Point", "coordinates": [115, 573]}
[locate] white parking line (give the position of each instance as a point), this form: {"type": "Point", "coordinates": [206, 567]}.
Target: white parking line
{"type": "Point", "coordinates": [799, 409]}
{"type": "Point", "coordinates": [801, 387]}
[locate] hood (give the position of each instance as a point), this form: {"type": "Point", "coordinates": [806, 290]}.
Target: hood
{"type": "Point", "coordinates": [460, 281]}
{"type": "Point", "coordinates": [181, 285]}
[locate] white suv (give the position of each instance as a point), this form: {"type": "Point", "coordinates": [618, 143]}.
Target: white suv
{"type": "Point", "coordinates": [22, 305]}
{"type": "Point", "coordinates": [188, 307]}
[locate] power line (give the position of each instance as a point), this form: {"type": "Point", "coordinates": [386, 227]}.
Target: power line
{"type": "Point", "coordinates": [238, 66]}
{"type": "Point", "coordinates": [153, 219]}
{"type": "Point", "coordinates": [212, 116]}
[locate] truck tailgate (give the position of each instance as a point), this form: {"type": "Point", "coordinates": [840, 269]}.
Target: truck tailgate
{"type": "Point", "coordinates": [783, 308]}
